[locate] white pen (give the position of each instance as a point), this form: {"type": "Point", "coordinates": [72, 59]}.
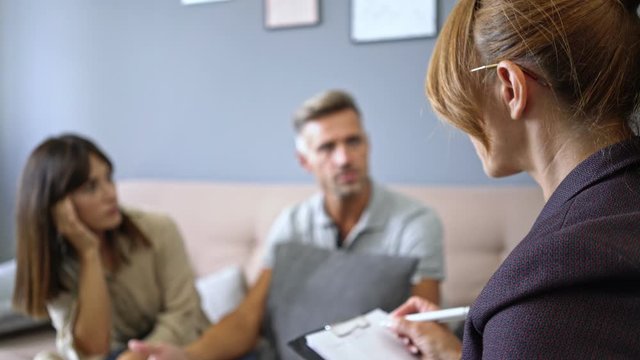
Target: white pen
{"type": "Point", "coordinates": [452, 314]}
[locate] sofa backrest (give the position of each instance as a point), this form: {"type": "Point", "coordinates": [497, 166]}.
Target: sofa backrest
{"type": "Point", "coordinates": [225, 223]}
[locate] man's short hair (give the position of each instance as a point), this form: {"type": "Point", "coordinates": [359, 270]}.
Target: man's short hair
{"type": "Point", "coordinates": [323, 104]}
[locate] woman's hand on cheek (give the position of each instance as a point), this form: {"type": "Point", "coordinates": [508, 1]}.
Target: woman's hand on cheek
{"type": "Point", "coordinates": [69, 225]}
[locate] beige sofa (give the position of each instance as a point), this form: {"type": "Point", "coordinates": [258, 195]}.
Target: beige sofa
{"type": "Point", "coordinates": [224, 224]}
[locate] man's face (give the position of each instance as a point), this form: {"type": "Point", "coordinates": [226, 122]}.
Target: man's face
{"type": "Point", "coordinates": [336, 153]}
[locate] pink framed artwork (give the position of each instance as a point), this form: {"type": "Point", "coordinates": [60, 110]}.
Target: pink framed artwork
{"type": "Point", "coordinates": [291, 13]}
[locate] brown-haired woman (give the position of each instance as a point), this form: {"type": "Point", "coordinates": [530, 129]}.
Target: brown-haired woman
{"type": "Point", "coordinates": [550, 87]}
{"type": "Point", "coordinates": [103, 274]}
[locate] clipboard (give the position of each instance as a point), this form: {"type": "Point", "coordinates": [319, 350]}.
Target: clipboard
{"type": "Point", "coordinates": [360, 337]}
{"type": "Point", "coordinates": [299, 345]}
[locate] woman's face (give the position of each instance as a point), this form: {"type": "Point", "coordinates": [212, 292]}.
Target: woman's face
{"type": "Point", "coordinates": [96, 201]}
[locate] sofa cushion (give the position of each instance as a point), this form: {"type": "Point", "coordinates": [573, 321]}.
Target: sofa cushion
{"type": "Point", "coordinates": [226, 223]}
{"type": "Point", "coordinates": [221, 291]}
{"type": "Point", "coordinates": [10, 321]}
{"type": "Point", "coordinates": [313, 287]}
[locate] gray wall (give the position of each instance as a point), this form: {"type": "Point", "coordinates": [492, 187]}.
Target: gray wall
{"type": "Point", "coordinates": [205, 92]}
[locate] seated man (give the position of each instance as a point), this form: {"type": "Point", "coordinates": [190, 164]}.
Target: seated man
{"type": "Point", "coordinates": [351, 214]}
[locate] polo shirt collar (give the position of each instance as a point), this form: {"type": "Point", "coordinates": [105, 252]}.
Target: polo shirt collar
{"type": "Point", "coordinates": [372, 217]}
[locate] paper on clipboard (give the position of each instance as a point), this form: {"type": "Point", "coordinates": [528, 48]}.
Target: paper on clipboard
{"type": "Point", "coordinates": [374, 341]}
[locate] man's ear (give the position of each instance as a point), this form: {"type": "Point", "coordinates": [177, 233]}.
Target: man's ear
{"type": "Point", "coordinates": [301, 150]}
{"type": "Point", "coordinates": [302, 160]}
{"type": "Point", "coordinates": [513, 88]}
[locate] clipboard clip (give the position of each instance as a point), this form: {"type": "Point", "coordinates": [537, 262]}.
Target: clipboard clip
{"type": "Point", "coordinates": [346, 328]}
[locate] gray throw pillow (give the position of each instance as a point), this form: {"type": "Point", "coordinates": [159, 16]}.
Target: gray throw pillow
{"type": "Point", "coordinates": [312, 287]}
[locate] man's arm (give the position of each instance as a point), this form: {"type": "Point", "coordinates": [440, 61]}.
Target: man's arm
{"type": "Point", "coordinates": [422, 238]}
{"type": "Point", "coordinates": [427, 289]}
{"type": "Point", "coordinates": [237, 333]}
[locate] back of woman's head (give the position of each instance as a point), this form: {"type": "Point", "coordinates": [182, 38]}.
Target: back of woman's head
{"type": "Point", "coordinates": [54, 169]}
{"type": "Point", "coordinates": [587, 51]}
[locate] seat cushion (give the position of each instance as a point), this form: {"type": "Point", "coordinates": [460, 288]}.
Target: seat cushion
{"type": "Point", "coordinates": [10, 321]}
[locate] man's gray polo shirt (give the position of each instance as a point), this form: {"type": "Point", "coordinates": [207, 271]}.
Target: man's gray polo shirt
{"type": "Point", "coordinates": [392, 224]}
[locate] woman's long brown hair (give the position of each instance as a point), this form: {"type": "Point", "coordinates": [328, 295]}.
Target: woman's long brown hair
{"type": "Point", "coordinates": [57, 167]}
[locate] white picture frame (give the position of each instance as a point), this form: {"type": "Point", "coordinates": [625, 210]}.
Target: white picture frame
{"type": "Point", "coordinates": [387, 20]}
{"type": "Point", "coordinates": [197, 2]}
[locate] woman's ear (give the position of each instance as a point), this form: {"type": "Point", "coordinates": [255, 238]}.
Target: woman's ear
{"type": "Point", "coordinates": [513, 88]}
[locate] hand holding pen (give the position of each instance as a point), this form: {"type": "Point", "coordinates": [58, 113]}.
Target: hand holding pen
{"type": "Point", "coordinates": [422, 334]}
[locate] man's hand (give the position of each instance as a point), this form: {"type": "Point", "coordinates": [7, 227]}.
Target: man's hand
{"type": "Point", "coordinates": [129, 355]}
{"type": "Point", "coordinates": [430, 340]}
{"type": "Point", "coordinates": [157, 351]}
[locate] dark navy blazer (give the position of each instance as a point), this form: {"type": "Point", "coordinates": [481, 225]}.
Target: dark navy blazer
{"type": "Point", "coordinates": [571, 288]}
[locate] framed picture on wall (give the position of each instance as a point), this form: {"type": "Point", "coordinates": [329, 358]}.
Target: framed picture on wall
{"type": "Point", "coordinates": [291, 13]}
{"type": "Point", "coordinates": [385, 20]}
